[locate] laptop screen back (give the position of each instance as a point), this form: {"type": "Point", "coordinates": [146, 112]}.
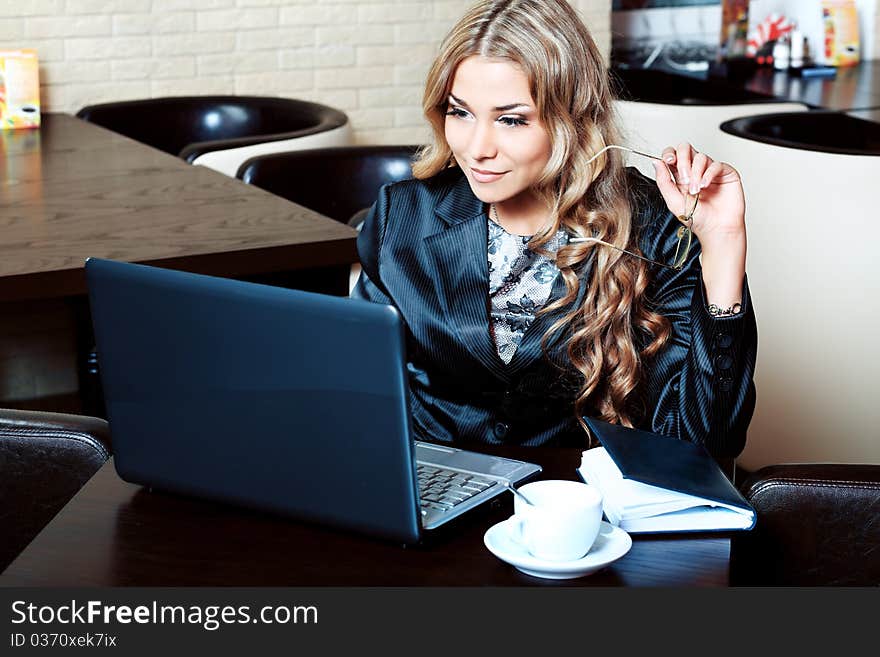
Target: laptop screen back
{"type": "Point", "coordinates": [278, 399]}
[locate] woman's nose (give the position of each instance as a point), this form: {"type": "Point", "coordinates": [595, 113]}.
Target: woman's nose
{"type": "Point", "coordinates": [482, 142]}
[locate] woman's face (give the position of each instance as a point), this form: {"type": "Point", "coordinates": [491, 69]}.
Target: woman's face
{"type": "Point", "coordinates": [493, 129]}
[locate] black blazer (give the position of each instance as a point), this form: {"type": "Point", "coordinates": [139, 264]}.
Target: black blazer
{"type": "Point", "coordinates": [423, 248]}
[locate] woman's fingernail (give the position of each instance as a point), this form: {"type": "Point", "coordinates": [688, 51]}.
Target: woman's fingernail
{"type": "Point", "coordinates": [669, 158]}
{"type": "Point", "coordinates": [694, 188]}
{"type": "Point", "coordinates": [704, 184]}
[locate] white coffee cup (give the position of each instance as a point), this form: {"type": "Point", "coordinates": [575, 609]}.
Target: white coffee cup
{"type": "Point", "coordinates": [562, 522]}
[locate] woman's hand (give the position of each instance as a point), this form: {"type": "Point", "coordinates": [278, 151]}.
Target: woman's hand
{"type": "Point", "coordinates": [719, 220]}
{"type": "Point", "coordinates": [721, 208]}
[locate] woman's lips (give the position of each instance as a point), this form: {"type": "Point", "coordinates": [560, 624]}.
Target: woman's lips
{"type": "Point", "coordinates": [486, 176]}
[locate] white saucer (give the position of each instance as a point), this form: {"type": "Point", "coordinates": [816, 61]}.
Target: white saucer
{"type": "Point", "coordinates": [611, 544]}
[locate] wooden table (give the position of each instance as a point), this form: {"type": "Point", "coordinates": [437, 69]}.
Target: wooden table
{"type": "Point", "coordinates": [72, 190]}
{"type": "Point", "coordinates": [117, 534]}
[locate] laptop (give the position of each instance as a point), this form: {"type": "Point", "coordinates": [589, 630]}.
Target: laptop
{"type": "Point", "coordinates": [282, 400]}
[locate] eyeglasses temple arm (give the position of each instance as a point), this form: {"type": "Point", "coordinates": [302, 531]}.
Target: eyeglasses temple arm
{"type": "Point", "coordinates": [635, 255]}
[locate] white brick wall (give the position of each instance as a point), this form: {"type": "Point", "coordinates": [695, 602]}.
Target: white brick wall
{"type": "Point", "coordinates": [366, 57]}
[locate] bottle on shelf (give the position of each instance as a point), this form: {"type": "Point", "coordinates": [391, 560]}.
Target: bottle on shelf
{"type": "Point", "coordinates": [796, 54]}
{"type": "Point", "coordinates": [782, 53]}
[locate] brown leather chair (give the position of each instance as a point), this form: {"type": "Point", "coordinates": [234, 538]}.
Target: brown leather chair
{"type": "Point", "coordinates": [817, 525]}
{"type": "Point", "coordinates": [45, 458]}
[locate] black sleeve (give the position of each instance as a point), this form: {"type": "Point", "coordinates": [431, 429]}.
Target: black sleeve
{"type": "Point", "coordinates": [369, 243]}
{"type": "Point", "coordinates": [700, 386]}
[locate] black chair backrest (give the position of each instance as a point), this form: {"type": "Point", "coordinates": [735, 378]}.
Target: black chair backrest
{"type": "Point", "coordinates": [336, 182]}
{"type": "Point", "coordinates": [189, 126]}
{"type": "Point", "coordinates": [44, 460]}
{"type": "Point", "coordinates": [817, 525]}
{"type": "Point", "coordinates": [813, 130]}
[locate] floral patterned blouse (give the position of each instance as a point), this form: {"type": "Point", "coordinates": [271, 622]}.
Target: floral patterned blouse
{"type": "Point", "coordinates": [520, 282]}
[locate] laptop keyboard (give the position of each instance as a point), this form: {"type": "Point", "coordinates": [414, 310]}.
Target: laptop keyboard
{"type": "Point", "coordinates": [443, 489]}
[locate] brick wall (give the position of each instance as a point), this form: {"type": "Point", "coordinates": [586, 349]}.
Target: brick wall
{"type": "Point", "coordinates": [367, 58]}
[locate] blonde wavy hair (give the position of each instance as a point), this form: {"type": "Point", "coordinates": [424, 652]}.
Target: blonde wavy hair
{"type": "Point", "coordinates": [570, 87]}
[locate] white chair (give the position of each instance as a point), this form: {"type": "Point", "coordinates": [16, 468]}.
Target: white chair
{"type": "Point", "coordinates": [651, 127]}
{"type": "Point", "coordinates": [229, 160]}
{"type": "Point", "coordinates": [813, 273]}
{"type": "Point", "coordinates": [221, 132]}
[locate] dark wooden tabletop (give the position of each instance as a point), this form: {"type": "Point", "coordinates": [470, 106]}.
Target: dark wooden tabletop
{"type": "Point", "coordinates": [72, 190]}
{"type": "Point", "coordinates": [118, 534]}
{"type": "Point", "coordinates": [853, 87]}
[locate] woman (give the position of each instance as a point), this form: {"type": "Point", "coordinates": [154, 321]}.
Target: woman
{"type": "Point", "coordinates": [532, 268]}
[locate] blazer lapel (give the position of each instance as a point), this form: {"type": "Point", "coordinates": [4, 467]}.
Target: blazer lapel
{"type": "Point", "coordinates": [457, 257]}
{"type": "Point", "coordinates": [459, 263]}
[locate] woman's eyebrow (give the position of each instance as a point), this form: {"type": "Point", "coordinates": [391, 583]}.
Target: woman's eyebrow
{"type": "Point", "coordinates": [501, 108]}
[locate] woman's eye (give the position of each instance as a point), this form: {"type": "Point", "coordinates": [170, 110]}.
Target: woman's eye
{"type": "Point", "coordinates": [455, 111]}
{"type": "Point", "coordinates": [512, 120]}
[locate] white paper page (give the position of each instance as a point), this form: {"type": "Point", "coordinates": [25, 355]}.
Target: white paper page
{"type": "Point", "coordinates": [697, 519]}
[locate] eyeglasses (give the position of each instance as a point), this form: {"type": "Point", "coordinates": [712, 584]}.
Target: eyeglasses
{"type": "Point", "coordinates": [684, 232]}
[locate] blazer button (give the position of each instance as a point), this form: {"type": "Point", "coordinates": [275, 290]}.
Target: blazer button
{"type": "Point", "coordinates": [724, 362]}
{"type": "Point", "coordinates": [723, 340]}
{"type": "Point", "coordinates": [501, 429]}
